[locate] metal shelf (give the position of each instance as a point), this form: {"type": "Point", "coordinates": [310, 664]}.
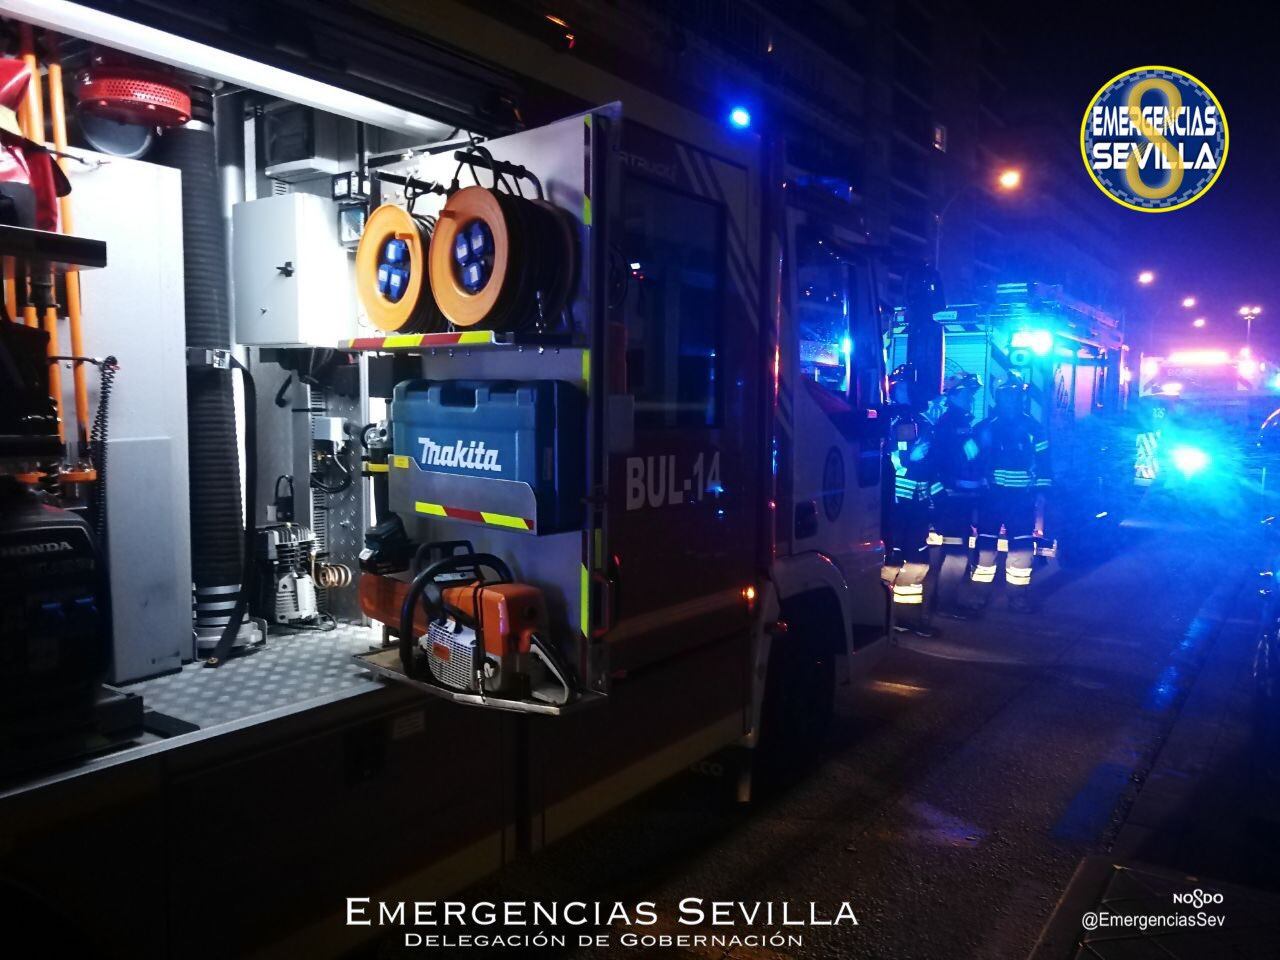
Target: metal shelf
{"type": "Point", "coordinates": [386, 665]}
{"type": "Point", "coordinates": [422, 342]}
{"type": "Point", "coordinates": [59, 250]}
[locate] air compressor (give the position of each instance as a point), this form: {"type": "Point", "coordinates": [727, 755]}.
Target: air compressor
{"type": "Point", "coordinates": [290, 574]}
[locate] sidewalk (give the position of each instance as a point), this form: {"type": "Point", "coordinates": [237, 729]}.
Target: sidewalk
{"type": "Point", "coordinates": [1196, 824]}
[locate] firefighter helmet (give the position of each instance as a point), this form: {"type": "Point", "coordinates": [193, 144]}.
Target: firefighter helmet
{"type": "Point", "coordinates": [1015, 386]}
{"type": "Point", "coordinates": [902, 383]}
{"type": "Point", "coordinates": [961, 381]}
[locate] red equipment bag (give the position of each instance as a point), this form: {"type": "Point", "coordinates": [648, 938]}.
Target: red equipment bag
{"type": "Point", "coordinates": [30, 181]}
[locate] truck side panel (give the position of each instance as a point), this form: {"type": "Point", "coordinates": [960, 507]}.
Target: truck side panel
{"type": "Point", "coordinates": [683, 497]}
{"type": "Point", "coordinates": [657, 721]}
{"type": "Point", "coordinates": [349, 808]}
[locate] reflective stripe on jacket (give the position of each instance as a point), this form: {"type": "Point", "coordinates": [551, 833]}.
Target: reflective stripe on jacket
{"type": "Point", "coordinates": [1015, 452]}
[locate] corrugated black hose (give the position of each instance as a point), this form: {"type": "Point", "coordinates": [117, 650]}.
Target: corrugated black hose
{"type": "Point", "coordinates": [214, 472]}
{"type": "Point", "coordinates": [228, 638]}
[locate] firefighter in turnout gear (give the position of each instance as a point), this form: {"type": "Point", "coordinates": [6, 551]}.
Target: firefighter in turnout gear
{"type": "Point", "coordinates": [958, 470]}
{"type": "Point", "coordinates": [914, 485]}
{"type": "Point", "coordinates": [1015, 457]}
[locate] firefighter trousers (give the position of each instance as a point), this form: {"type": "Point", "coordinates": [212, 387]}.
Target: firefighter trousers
{"type": "Point", "coordinates": [952, 530]}
{"type": "Point", "coordinates": [953, 518]}
{"type": "Point", "coordinates": [908, 565]}
{"type": "Point", "coordinates": [1014, 510]}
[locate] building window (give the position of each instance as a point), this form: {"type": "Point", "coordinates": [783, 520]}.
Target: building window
{"type": "Point", "coordinates": [940, 137]}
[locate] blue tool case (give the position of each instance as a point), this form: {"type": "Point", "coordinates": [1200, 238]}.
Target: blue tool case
{"type": "Point", "coordinates": [499, 452]}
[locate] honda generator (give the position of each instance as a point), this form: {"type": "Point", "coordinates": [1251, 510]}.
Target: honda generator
{"type": "Point", "coordinates": [55, 641]}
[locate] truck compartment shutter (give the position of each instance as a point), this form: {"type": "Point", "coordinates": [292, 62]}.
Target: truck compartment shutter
{"type": "Point", "coordinates": [969, 352]}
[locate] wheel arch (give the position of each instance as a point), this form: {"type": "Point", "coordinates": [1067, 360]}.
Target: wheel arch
{"type": "Point", "coordinates": [808, 582]}
{"type": "Point", "coordinates": [814, 577]}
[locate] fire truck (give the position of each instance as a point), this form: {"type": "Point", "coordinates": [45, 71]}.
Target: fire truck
{"type": "Point", "coordinates": [1204, 373]}
{"type": "Point", "coordinates": [1198, 416]}
{"type": "Point", "coordinates": [571, 478]}
{"type": "Point", "coordinates": [1072, 356]}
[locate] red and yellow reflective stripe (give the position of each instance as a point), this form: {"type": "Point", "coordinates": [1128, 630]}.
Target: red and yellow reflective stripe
{"type": "Point", "coordinates": [409, 340]}
{"type": "Point", "coordinates": [473, 516]}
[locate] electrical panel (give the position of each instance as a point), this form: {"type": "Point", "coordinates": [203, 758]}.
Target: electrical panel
{"type": "Point", "coordinates": [292, 275]}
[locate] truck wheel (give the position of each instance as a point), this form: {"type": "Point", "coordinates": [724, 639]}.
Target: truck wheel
{"type": "Point", "coordinates": [799, 697]}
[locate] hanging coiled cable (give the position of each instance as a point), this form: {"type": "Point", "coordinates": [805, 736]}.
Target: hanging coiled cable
{"type": "Point", "coordinates": [107, 370]}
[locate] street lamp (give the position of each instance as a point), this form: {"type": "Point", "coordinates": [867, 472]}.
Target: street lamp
{"type": "Point", "coordinates": [1007, 180]}
{"type": "Point", "coordinates": [1198, 322]}
{"type": "Point", "coordinates": [1188, 302]}
{"type": "Point", "coordinates": [1146, 278]}
{"type": "Point", "coordinates": [1250, 313]}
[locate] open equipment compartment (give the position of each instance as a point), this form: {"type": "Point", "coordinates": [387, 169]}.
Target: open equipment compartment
{"type": "Point", "coordinates": [643, 563]}
{"type": "Point", "coordinates": [496, 438]}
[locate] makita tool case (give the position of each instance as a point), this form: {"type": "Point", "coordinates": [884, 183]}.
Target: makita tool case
{"type": "Point", "coordinates": [502, 453]}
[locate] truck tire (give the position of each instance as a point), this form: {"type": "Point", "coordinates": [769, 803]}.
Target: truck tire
{"type": "Point", "coordinates": [800, 686]}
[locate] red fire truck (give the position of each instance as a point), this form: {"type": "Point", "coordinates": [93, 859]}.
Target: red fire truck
{"type": "Point", "coordinates": [682, 368]}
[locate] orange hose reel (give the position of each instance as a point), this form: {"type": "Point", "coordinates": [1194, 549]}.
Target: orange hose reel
{"type": "Point", "coordinates": [413, 310]}
{"type": "Point", "coordinates": [499, 260]}
{"type": "Point", "coordinates": [461, 306]}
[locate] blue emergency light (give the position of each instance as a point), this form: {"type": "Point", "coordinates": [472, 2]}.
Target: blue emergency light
{"type": "Point", "coordinates": [1189, 460]}
{"type": "Point", "coordinates": [740, 117]}
{"type": "Point", "coordinates": [1039, 342]}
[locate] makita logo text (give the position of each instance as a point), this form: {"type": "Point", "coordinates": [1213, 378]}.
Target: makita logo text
{"type": "Point", "coordinates": [33, 549]}
{"type": "Point", "coordinates": [466, 456]}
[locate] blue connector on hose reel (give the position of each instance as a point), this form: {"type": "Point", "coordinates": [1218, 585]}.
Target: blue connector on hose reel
{"type": "Point", "coordinates": [393, 270]}
{"type": "Point", "coordinates": [473, 253]}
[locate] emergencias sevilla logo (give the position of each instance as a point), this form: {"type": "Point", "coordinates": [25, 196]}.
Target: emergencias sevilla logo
{"type": "Point", "coordinates": [1154, 139]}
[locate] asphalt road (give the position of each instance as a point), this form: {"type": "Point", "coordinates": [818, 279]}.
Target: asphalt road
{"type": "Point", "coordinates": [965, 778]}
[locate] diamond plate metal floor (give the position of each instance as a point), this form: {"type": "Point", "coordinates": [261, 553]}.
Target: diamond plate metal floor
{"type": "Point", "coordinates": [290, 669]}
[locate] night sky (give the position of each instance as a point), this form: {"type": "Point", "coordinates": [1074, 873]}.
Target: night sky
{"type": "Point", "coordinates": [1225, 248]}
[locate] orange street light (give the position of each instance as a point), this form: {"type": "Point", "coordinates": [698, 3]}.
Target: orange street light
{"type": "Point", "coordinates": [1007, 181]}
{"type": "Point", "coordinates": [1009, 178]}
